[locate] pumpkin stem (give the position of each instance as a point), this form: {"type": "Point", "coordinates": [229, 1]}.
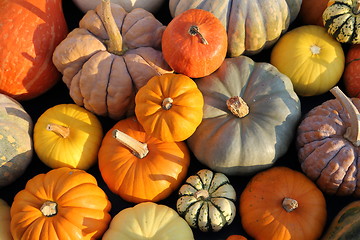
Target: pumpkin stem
{"type": "Point", "coordinates": [139, 149]}
{"type": "Point", "coordinates": [353, 131]}
{"type": "Point", "coordinates": [290, 204]}
{"type": "Point", "coordinates": [62, 131]}
{"type": "Point", "coordinates": [49, 208]}
{"type": "Point", "coordinates": [167, 103]}
{"type": "Point", "coordinates": [194, 30]}
{"type": "Point", "coordinates": [237, 106]}
{"type": "Point", "coordinates": [115, 42]}
{"type": "Point", "coordinates": [201, 194]}
{"type": "Point", "coordinates": [356, 9]}
{"type": "Point", "coordinates": [315, 50]}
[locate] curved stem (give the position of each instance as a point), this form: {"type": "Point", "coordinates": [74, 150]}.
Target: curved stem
{"type": "Point", "coordinates": [201, 194]}
{"type": "Point", "coordinates": [49, 208]}
{"type": "Point", "coordinates": [194, 30]}
{"type": "Point", "coordinates": [139, 149]}
{"type": "Point", "coordinates": [289, 204]}
{"type": "Point", "coordinates": [237, 106]}
{"type": "Point", "coordinates": [356, 9]}
{"type": "Point", "coordinates": [167, 103]}
{"type": "Point", "coordinates": [58, 129]}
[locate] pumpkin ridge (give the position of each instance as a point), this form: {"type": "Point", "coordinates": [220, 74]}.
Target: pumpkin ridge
{"type": "Point", "coordinates": [338, 30]}
{"type": "Point", "coordinates": [223, 218]}
{"type": "Point", "coordinates": [203, 184]}
{"type": "Point", "coordinates": [108, 85]}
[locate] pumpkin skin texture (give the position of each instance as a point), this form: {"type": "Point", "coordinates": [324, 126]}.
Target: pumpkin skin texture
{"type": "Point", "coordinates": [251, 26]}
{"type": "Point", "coordinates": [150, 173]}
{"type": "Point", "coordinates": [148, 221]}
{"type": "Point", "coordinates": [68, 135]}
{"type": "Point", "coordinates": [341, 19]}
{"type": "Point", "coordinates": [27, 43]}
{"type": "Point", "coordinates": [104, 78]}
{"type": "Point", "coordinates": [63, 203]}
{"type": "Point", "coordinates": [266, 208]}
{"type": "Point", "coordinates": [311, 58]}
{"type": "Point", "coordinates": [169, 107]}
{"type": "Point", "coordinates": [5, 221]}
{"type": "Point", "coordinates": [235, 138]}
{"type": "Point", "coordinates": [194, 43]}
{"type": "Point", "coordinates": [351, 76]}
{"type": "Point", "coordinates": [311, 12]}
{"type": "Point", "coordinates": [207, 201]}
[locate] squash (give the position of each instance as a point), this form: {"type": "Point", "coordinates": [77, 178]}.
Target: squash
{"type": "Point", "coordinates": [327, 141]}
{"type": "Point", "coordinates": [5, 221]}
{"type": "Point", "coordinates": [148, 221]}
{"type": "Point", "coordinates": [104, 67]}
{"type": "Point", "coordinates": [207, 201]}
{"type": "Point", "coordinates": [63, 203]}
{"type": "Point", "coordinates": [27, 44]}
{"type": "Point", "coordinates": [236, 237]}
{"type": "Point", "coordinates": [194, 43]}
{"type": "Point", "coordinates": [351, 76]}
{"type": "Point", "coordinates": [67, 135]}
{"type": "Point", "coordinates": [280, 204]}
{"type": "Point", "coordinates": [345, 225]}
{"type": "Point", "coordinates": [311, 12]}
{"type": "Point", "coordinates": [169, 107]}
{"type": "Point", "coordinates": [247, 106]}
{"type": "Point", "coordinates": [16, 143]}
{"type": "Point", "coordinates": [341, 19]}
{"type": "Point", "coordinates": [311, 58]}
{"type": "Point", "coordinates": [139, 167]}
{"type": "Point", "coordinates": [251, 26]}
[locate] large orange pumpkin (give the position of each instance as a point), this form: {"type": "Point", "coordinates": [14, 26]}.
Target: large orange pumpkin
{"type": "Point", "coordinates": [351, 74]}
{"type": "Point", "coordinates": [311, 12]}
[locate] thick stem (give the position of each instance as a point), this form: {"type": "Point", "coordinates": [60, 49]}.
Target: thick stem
{"type": "Point", "coordinates": [139, 149]}
{"type": "Point", "coordinates": [49, 208]}
{"type": "Point", "coordinates": [353, 131]}
{"type": "Point", "coordinates": [237, 106]}
{"type": "Point", "coordinates": [289, 204]}
{"type": "Point", "coordinates": [167, 103]}
{"type": "Point", "coordinates": [356, 9]}
{"type": "Point", "coordinates": [58, 129]}
{"type": "Point", "coordinates": [202, 194]}
{"type": "Point", "coordinates": [194, 30]}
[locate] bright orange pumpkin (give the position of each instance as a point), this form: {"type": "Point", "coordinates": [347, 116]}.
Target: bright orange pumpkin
{"type": "Point", "coordinates": [139, 167]}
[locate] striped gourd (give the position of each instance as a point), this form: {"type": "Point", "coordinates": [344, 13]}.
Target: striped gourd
{"type": "Point", "coordinates": [206, 201]}
{"type": "Point", "coordinates": [342, 20]}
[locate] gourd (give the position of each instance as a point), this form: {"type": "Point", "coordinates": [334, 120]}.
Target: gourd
{"type": "Point", "coordinates": [27, 44]}
{"type": "Point", "coordinates": [311, 58]}
{"type": "Point", "coordinates": [112, 54]}
{"type": "Point", "coordinates": [63, 203]}
{"type": "Point", "coordinates": [169, 107]}
{"type": "Point", "coordinates": [247, 106]}
{"type": "Point", "coordinates": [194, 43]}
{"type": "Point", "coordinates": [328, 141]}
{"type": "Point", "coordinates": [341, 19]}
{"type": "Point", "coordinates": [148, 221]}
{"type": "Point", "coordinates": [351, 77]}
{"type": "Point", "coordinates": [251, 26]}
{"type": "Point", "coordinates": [345, 225]}
{"type": "Point", "coordinates": [236, 237]}
{"type": "Point", "coordinates": [67, 135]}
{"type": "Point", "coordinates": [280, 203]}
{"type": "Point", "coordinates": [311, 12]}
{"type": "Point", "coordinates": [139, 167]}
{"type": "Point", "coordinates": [207, 201]}
{"type": "Point", "coordinates": [5, 221]}
{"type": "Point", "coordinates": [15, 140]}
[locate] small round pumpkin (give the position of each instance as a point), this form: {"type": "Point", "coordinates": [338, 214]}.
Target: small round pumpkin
{"type": "Point", "coordinates": [67, 135]}
{"type": "Point", "coordinates": [236, 237]}
{"type": "Point", "coordinates": [5, 221]}
{"type": "Point", "coordinates": [207, 201]}
{"type": "Point", "coordinates": [351, 75]}
{"type": "Point", "coordinates": [139, 167]}
{"type": "Point", "coordinates": [63, 203]}
{"type": "Point", "coordinates": [194, 43]}
{"type": "Point", "coordinates": [169, 107]}
{"type": "Point", "coordinates": [282, 204]}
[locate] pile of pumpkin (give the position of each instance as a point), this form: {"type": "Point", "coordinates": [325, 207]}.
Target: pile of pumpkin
{"type": "Point", "coordinates": [189, 91]}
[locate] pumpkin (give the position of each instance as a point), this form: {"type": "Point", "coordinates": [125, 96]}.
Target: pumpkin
{"type": "Point", "coordinates": [311, 58]}
{"type": "Point", "coordinates": [148, 221]}
{"type": "Point", "coordinates": [327, 141]}
{"type": "Point", "coordinates": [63, 203]}
{"type": "Point", "coordinates": [104, 67]}
{"type": "Point", "coordinates": [311, 12]}
{"type": "Point", "coordinates": [15, 140]}
{"type": "Point", "coordinates": [67, 135]}
{"type": "Point", "coordinates": [351, 77]}
{"type": "Point", "coordinates": [281, 203]}
{"type": "Point", "coordinates": [207, 201]}
{"type": "Point", "coordinates": [139, 167]}
{"type": "Point", "coordinates": [5, 221]}
{"type": "Point", "coordinates": [251, 26]}
{"type": "Point", "coordinates": [341, 19]}
{"type": "Point", "coordinates": [27, 44]}
{"type": "Point", "coordinates": [345, 225]}
{"type": "Point", "coordinates": [236, 237]}
{"type": "Point", "coordinates": [194, 43]}
{"type": "Point", "coordinates": [247, 106]}
{"type": "Point", "coordinates": [169, 107]}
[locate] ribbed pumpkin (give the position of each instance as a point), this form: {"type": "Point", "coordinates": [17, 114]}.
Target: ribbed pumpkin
{"type": "Point", "coordinates": [5, 221]}
{"type": "Point", "coordinates": [207, 201]}
{"type": "Point", "coordinates": [139, 167]}
{"type": "Point", "coordinates": [351, 75]}
{"type": "Point", "coordinates": [63, 203]}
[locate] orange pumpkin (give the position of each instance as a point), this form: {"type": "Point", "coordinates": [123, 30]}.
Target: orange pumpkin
{"type": "Point", "coordinates": [194, 43]}
{"type": "Point", "coordinates": [311, 12]}
{"type": "Point", "coordinates": [63, 203]}
{"type": "Point", "coordinates": [139, 167]}
{"type": "Point", "coordinates": [351, 74]}
{"type": "Point", "coordinates": [281, 203]}
{"type": "Point", "coordinates": [236, 237]}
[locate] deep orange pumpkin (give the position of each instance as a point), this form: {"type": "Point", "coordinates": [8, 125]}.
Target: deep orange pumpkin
{"type": "Point", "coordinates": [351, 74]}
{"type": "Point", "coordinates": [311, 12]}
{"type": "Point", "coordinates": [236, 237]}
{"type": "Point", "coordinates": [27, 42]}
{"type": "Point", "coordinates": [194, 43]}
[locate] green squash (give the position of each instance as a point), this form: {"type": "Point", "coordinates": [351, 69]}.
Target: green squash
{"type": "Point", "coordinates": [243, 140]}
